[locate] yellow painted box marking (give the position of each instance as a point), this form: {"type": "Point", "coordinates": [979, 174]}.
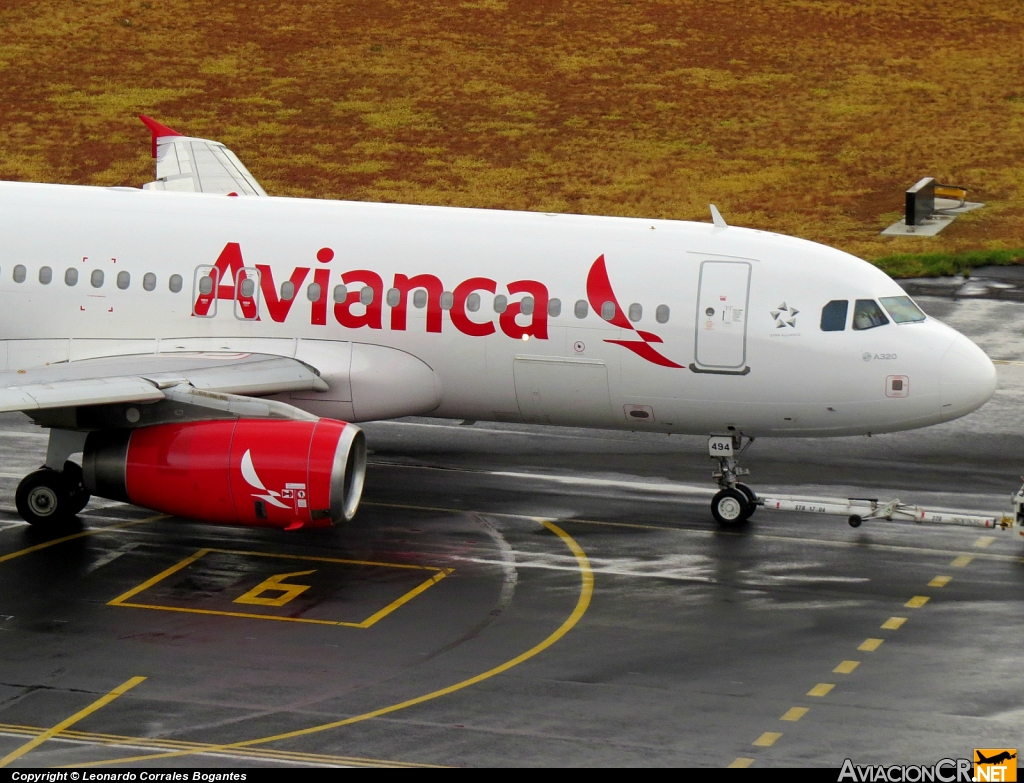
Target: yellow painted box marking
{"type": "Point", "coordinates": [893, 623]}
{"type": "Point", "coordinates": [794, 713]}
{"type": "Point", "coordinates": [437, 574]}
{"type": "Point", "coordinates": [870, 645]}
{"type": "Point", "coordinates": [821, 689]}
{"type": "Point", "coordinates": [916, 602]}
{"type": "Point", "coordinates": [846, 667]}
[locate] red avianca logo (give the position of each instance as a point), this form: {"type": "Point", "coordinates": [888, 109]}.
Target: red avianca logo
{"type": "Point", "coordinates": [230, 265]}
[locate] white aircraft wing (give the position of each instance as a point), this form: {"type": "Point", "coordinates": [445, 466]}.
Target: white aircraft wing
{"type": "Point", "coordinates": [190, 165]}
{"type": "Point", "coordinates": [155, 377]}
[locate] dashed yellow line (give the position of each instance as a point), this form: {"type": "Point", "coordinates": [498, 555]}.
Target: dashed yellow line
{"type": "Point", "coordinates": [822, 689]}
{"type": "Point", "coordinates": [768, 739]}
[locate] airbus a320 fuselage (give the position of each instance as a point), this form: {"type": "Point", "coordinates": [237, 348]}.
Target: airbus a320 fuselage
{"type": "Point", "coordinates": [652, 325]}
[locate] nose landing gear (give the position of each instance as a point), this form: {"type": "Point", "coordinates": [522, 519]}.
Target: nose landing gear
{"type": "Point", "coordinates": [735, 502]}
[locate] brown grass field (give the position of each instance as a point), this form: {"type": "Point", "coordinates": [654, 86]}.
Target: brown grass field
{"type": "Point", "coordinates": [807, 117]}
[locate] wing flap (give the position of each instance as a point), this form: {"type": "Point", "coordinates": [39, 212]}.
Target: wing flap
{"type": "Point", "coordinates": [123, 379]}
{"type": "Point", "coordinates": [64, 394]}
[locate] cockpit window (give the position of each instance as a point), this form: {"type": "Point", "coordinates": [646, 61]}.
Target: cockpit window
{"type": "Point", "coordinates": [867, 314]}
{"type": "Point", "coordinates": [833, 315]}
{"type": "Point", "coordinates": [902, 309]}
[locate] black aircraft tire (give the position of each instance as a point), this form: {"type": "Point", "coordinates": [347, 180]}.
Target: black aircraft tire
{"type": "Point", "coordinates": [43, 499]}
{"type": "Point", "coordinates": [80, 497]}
{"type": "Point", "coordinates": [729, 508]}
{"type": "Point", "coordinates": [751, 499]}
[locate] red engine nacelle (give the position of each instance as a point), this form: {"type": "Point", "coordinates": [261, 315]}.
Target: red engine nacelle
{"type": "Point", "coordinates": [241, 472]}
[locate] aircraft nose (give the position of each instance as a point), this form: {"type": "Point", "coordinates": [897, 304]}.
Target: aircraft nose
{"type": "Point", "coordinates": [968, 379]}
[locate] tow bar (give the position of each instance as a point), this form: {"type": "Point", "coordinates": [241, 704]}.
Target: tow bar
{"type": "Point", "coordinates": [857, 510]}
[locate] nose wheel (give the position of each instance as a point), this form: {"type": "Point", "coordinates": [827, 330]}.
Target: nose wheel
{"type": "Point", "coordinates": [735, 502]}
{"type": "Point", "coordinates": [48, 498]}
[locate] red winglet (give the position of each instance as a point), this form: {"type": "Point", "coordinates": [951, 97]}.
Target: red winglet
{"type": "Point", "coordinates": [157, 130]}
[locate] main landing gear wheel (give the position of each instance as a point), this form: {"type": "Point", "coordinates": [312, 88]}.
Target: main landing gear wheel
{"type": "Point", "coordinates": [46, 499]}
{"type": "Point", "coordinates": [75, 483]}
{"type": "Point", "coordinates": [730, 507]}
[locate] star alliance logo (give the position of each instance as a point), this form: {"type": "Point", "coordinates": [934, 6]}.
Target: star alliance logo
{"type": "Point", "coordinates": [784, 316]}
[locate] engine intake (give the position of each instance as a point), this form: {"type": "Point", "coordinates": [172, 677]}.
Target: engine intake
{"type": "Point", "coordinates": [241, 472]}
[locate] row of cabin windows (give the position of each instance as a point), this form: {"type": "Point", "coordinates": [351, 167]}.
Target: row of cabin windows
{"type": "Point", "coordinates": [314, 291]}
{"type": "Point", "coordinates": [867, 314]}
{"type": "Point", "coordinates": [97, 277]}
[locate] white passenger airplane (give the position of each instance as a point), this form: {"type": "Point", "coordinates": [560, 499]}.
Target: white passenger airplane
{"type": "Point", "coordinates": [203, 345]}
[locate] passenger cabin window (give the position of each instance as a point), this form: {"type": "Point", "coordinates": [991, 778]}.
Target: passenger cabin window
{"type": "Point", "coordinates": [902, 309]}
{"type": "Point", "coordinates": [45, 275]}
{"type": "Point", "coordinates": [71, 276]}
{"type": "Point", "coordinates": [366, 295]}
{"type": "Point", "coordinates": [419, 298]}
{"type": "Point", "coordinates": [447, 300]}
{"type": "Point", "coordinates": [833, 315]}
{"type": "Point", "coordinates": [867, 315]}
{"type": "Point", "coordinates": [124, 279]}
{"type": "Point", "coordinates": [473, 302]}
{"type": "Point", "coordinates": [340, 294]}
{"type": "Point", "coordinates": [173, 283]}
{"type": "Point", "coordinates": [608, 311]}
{"type": "Point", "coordinates": [149, 281]}
{"type": "Point", "coordinates": [500, 303]}
{"type": "Point", "coordinates": [206, 285]}
{"type": "Point", "coordinates": [19, 273]}
{"type": "Point", "coordinates": [287, 291]}
{"type": "Point", "coordinates": [636, 312]}
{"type": "Point", "coordinates": [661, 314]}
{"type": "Point", "coordinates": [554, 307]}
{"type": "Point", "coordinates": [96, 278]}
{"type": "Point", "coordinates": [313, 292]}
{"type": "Point", "coordinates": [247, 292]}
{"type": "Point", "coordinates": [526, 306]}
{"type": "Point", "coordinates": [581, 308]}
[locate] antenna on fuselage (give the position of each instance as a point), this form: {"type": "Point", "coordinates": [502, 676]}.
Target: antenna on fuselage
{"type": "Point", "coordinates": [717, 219]}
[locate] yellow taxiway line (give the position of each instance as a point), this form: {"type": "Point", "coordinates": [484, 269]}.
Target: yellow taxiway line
{"type": "Point", "coordinates": [68, 722]}
{"type": "Point", "coordinates": [582, 603]}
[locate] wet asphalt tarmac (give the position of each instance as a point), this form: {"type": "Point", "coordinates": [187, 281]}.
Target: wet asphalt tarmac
{"type": "Point", "coordinates": [513, 595]}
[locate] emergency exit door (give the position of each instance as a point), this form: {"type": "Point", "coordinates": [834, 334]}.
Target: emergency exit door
{"type": "Point", "coordinates": [722, 300]}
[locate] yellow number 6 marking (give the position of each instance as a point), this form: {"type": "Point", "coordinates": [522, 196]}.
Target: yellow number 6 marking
{"type": "Point", "coordinates": [275, 584]}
